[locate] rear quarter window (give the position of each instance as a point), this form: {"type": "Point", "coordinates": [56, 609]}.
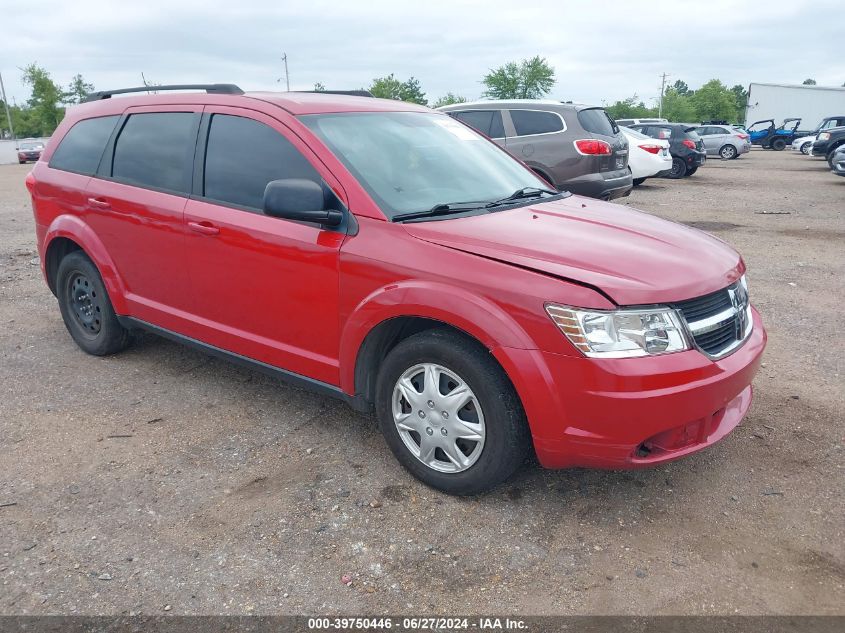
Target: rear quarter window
{"type": "Point", "coordinates": [156, 150]}
{"type": "Point", "coordinates": [596, 121]}
{"type": "Point", "coordinates": [82, 147]}
{"type": "Point", "coordinates": [528, 122]}
{"type": "Point", "coordinates": [488, 122]}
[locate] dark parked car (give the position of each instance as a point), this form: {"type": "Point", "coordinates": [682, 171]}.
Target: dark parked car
{"type": "Point", "coordinates": [837, 164]}
{"type": "Point", "coordinates": [827, 142]}
{"type": "Point", "coordinates": [29, 151]}
{"type": "Point", "coordinates": [574, 147]}
{"type": "Point", "coordinates": [685, 145]}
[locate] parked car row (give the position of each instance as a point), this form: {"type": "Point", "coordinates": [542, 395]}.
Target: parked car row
{"type": "Point", "coordinates": [828, 143]}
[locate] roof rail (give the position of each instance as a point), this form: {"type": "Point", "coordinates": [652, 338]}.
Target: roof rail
{"type": "Point", "coordinates": [351, 93]}
{"type": "Point", "coordinates": [220, 89]}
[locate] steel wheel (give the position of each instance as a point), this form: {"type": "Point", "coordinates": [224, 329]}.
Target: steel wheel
{"type": "Point", "coordinates": [86, 304]}
{"type": "Point", "coordinates": [438, 417]}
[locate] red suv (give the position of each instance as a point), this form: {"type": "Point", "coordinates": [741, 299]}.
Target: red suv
{"type": "Point", "coordinates": [393, 257]}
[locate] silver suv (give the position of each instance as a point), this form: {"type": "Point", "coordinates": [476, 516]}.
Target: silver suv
{"type": "Point", "coordinates": [576, 148]}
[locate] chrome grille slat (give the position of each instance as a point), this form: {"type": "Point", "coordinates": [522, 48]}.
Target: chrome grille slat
{"type": "Point", "coordinates": [718, 322]}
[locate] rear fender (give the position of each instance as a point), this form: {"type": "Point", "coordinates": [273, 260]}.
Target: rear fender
{"type": "Point", "coordinates": [75, 229]}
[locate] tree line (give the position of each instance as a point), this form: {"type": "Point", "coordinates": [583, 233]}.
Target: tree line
{"type": "Point", "coordinates": [531, 78]}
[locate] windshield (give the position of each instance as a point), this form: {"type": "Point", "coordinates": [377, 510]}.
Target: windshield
{"type": "Point", "coordinates": [31, 145]}
{"type": "Point", "coordinates": [414, 161]}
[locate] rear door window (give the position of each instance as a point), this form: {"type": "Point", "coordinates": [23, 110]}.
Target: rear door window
{"type": "Point", "coordinates": [596, 121]}
{"type": "Point", "coordinates": [487, 122]}
{"type": "Point", "coordinates": [243, 155]}
{"type": "Point", "coordinates": [155, 150]}
{"type": "Point", "coordinates": [82, 147]}
{"type": "Point", "coordinates": [529, 122]}
{"type": "Point", "coordinates": [660, 132]}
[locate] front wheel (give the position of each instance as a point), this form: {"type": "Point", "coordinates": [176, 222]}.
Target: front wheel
{"type": "Point", "coordinates": [805, 148]}
{"type": "Point", "coordinates": [728, 152]}
{"type": "Point", "coordinates": [449, 413]}
{"type": "Point", "coordinates": [679, 168]}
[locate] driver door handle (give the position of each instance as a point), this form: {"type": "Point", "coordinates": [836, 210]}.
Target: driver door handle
{"type": "Point", "coordinates": [206, 228]}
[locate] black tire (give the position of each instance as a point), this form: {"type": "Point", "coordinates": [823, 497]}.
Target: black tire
{"type": "Point", "coordinates": [506, 435]}
{"type": "Point", "coordinates": [21, 162]}
{"type": "Point", "coordinates": [778, 144]}
{"type": "Point", "coordinates": [86, 309]}
{"type": "Point", "coordinates": [638, 181]}
{"type": "Point", "coordinates": [691, 171]}
{"type": "Point", "coordinates": [679, 169]}
{"type": "Point", "coordinates": [830, 155]}
{"type": "Point", "coordinates": [728, 152]}
{"type": "Point", "coordinates": [805, 148]}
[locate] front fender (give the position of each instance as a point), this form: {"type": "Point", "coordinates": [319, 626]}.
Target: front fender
{"type": "Point", "coordinates": [74, 228]}
{"type": "Point", "coordinates": [479, 317]}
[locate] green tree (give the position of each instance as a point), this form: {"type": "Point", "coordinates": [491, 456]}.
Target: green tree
{"type": "Point", "coordinates": [678, 107]}
{"type": "Point", "coordinates": [319, 87]}
{"type": "Point", "coordinates": [448, 99]}
{"type": "Point", "coordinates": [45, 99]}
{"type": "Point", "coordinates": [809, 82]}
{"type": "Point", "coordinates": [630, 108]}
{"type": "Point", "coordinates": [741, 96]}
{"type": "Point", "coordinates": [528, 79]}
{"type": "Point", "coordinates": [391, 88]}
{"type": "Point", "coordinates": [77, 90]}
{"type": "Point", "coordinates": [681, 88]}
{"type": "Point", "coordinates": [714, 101]}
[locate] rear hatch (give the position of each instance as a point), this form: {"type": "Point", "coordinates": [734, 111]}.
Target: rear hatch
{"type": "Point", "coordinates": [599, 126]}
{"type": "Point", "coordinates": [695, 138]}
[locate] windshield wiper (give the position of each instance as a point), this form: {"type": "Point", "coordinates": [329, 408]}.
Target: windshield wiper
{"type": "Point", "coordinates": [444, 208]}
{"type": "Point", "coordinates": [519, 194]}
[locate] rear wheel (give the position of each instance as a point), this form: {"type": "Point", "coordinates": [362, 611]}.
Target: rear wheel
{"type": "Point", "coordinates": [728, 152]}
{"type": "Point", "coordinates": [449, 413]}
{"type": "Point", "coordinates": [679, 168]}
{"type": "Point", "coordinates": [86, 309]}
{"type": "Point", "coordinates": [778, 144]}
{"type": "Point", "coordinates": [692, 170]}
{"type": "Point", "coordinates": [805, 148]}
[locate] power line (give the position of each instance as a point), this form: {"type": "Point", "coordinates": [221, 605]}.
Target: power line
{"type": "Point", "coordinates": [287, 76]}
{"type": "Point", "coordinates": [6, 105]}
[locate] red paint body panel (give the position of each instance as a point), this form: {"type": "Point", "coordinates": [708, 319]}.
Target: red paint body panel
{"type": "Point", "coordinates": [304, 299]}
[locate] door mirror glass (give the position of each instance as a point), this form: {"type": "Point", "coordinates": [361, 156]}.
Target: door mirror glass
{"type": "Point", "coordinates": [299, 199]}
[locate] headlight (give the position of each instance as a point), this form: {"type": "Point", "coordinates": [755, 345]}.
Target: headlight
{"type": "Point", "coordinates": [621, 333]}
{"type": "Point", "coordinates": [824, 136]}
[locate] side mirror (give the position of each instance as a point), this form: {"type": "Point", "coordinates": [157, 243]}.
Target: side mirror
{"type": "Point", "coordinates": [299, 199]}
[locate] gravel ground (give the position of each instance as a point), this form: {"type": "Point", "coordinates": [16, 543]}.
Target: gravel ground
{"type": "Point", "coordinates": [164, 480]}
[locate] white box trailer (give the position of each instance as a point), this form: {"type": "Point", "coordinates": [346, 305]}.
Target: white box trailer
{"type": "Point", "coordinates": [785, 101]}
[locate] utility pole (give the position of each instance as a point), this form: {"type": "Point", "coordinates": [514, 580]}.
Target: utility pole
{"type": "Point", "coordinates": [287, 77]}
{"type": "Point", "coordinates": [662, 90]}
{"type": "Point", "coordinates": [6, 105]}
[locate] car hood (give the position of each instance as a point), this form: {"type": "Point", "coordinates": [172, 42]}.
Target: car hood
{"type": "Point", "coordinates": [632, 257]}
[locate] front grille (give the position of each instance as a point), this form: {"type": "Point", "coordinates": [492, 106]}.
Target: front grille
{"type": "Point", "coordinates": [719, 322]}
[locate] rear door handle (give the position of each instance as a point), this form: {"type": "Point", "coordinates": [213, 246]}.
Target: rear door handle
{"type": "Point", "coordinates": [99, 203]}
{"type": "Point", "coordinates": [206, 228]}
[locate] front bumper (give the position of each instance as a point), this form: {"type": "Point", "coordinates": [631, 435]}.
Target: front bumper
{"type": "Point", "coordinates": [631, 413]}
{"type": "Point", "coordinates": [820, 148]}
{"type": "Point", "coordinates": [602, 185]}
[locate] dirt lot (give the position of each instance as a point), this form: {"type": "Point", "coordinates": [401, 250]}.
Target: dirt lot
{"type": "Point", "coordinates": [162, 479]}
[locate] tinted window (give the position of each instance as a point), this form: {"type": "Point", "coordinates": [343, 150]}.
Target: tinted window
{"type": "Point", "coordinates": [660, 132]}
{"type": "Point", "coordinates": [243, 155]}
{"type": "Point", "coordinates": [487, 122]}
{"type": "Point", "coordinates": [534, 122]}
{"type": "Point", "coordinates": [82, 147]}
{"type": "Point", "coordinates": [156, 150]}
{"type": "Point", "coordinates": [596, 121]}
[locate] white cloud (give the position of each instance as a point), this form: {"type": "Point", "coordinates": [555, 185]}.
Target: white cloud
{"type": "Point", "coordinates": [602, 51]}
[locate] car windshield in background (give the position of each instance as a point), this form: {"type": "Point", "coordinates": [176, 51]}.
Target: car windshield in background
{"type": "Point", "coordinates": [417, 161]}
{"type": "Point", "coordinates": [596, 121]}
{"type": "Point", "coordinates": [32, 146]}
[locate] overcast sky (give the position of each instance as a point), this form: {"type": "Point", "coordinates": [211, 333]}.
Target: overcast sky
{"type": "Point", "coordinates": [601, 51]}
